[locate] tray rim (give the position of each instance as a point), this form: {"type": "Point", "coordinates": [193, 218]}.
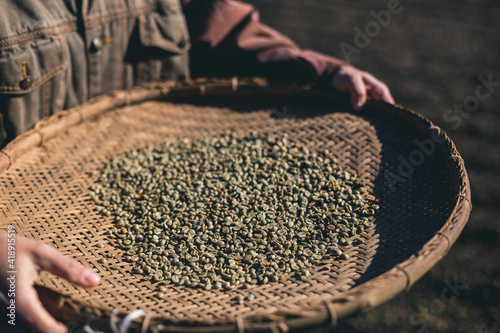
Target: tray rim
{"type": "Point", "coordinates": [362, 297]}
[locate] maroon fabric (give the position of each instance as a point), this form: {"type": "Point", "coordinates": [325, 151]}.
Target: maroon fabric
{"type": "Point", "coordinates": [228, 39]}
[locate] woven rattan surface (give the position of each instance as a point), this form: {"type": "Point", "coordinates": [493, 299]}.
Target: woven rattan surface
{"type": "Point", "coordinates": [46, 175]}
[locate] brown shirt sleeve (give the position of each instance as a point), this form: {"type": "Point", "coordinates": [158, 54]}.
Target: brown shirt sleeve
{"type": "Point", "coordinates": [228, 39]}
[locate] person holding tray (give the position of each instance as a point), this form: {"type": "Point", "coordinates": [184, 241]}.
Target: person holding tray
{"type": "Point", "coordinates": [56, 54]}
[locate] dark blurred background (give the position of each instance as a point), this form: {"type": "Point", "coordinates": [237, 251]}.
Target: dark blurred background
{"type": "Point", "coordinates": [431, 55]}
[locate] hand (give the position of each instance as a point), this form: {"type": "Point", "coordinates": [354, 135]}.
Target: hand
{"type": "Point", "coordinates": [30, 257]}
{"type": "Point", "coordinates": [360, 85]}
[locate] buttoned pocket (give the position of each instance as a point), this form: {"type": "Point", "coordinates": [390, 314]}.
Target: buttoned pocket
{"type": "Point", "coordinates": [32, 82]}
{"type": "Point", "coordinates": [25, 67]}
{"type": "Point", "coordinates": [164, 29]}
{"type": "Point", "coordinates": [160, 47]}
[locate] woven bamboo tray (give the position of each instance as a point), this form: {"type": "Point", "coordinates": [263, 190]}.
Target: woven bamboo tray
{"type": "Point", "coordinates": [46, 173]}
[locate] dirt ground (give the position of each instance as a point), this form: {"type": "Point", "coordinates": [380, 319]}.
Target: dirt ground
{"type": "Point", "coordinates": [432, 54]}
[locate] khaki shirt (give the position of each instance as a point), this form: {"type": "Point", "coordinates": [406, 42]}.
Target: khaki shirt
{"type": "Point", "coordinates": [56, 54]}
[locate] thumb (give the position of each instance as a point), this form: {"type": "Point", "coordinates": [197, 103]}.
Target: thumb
{"type": "Point", "coordinates": [35, 315]}
{"type": "Point", "coordinates": [28, 305]}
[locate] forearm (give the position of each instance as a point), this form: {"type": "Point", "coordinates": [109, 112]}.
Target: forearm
{"type": "Point", "coordinates": [228, 39]}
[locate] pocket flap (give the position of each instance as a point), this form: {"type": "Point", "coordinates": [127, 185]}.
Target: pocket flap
{"type": "Point", "coordinates": [26, 66]}
{"type": "Point", "coordinates": [165, 30]}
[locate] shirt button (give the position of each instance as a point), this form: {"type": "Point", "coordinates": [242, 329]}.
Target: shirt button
{"type": "Point", "coordinates": [26, 82]}
{"type": "Point", "coordinates": [182, 40]}
{"type": "Point", "coordinates": [182, 43]}
{"type": "Point", "coordinates": [98, 43]}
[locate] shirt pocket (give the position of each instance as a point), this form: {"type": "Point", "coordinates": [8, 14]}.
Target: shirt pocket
{"type": "Point", "coordinates": [161, 45]}
{"type": "Point", "coordinates": [164, 29]}
{"type": "Point", "coordinates": [31, 82]}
